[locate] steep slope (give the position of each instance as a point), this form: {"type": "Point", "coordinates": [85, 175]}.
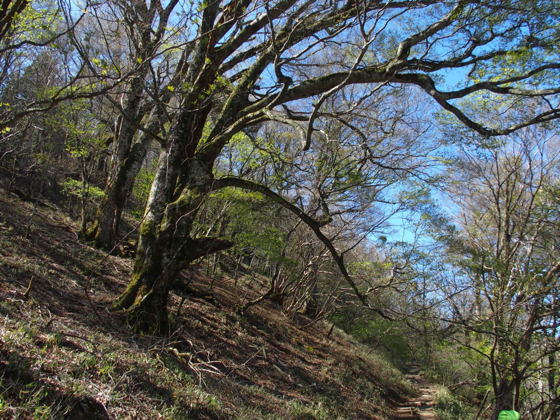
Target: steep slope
{"type": "Point", "coordinates": [64, 354]}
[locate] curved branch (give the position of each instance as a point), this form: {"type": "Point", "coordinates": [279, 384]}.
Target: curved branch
{"type": "Point", "coordinates": [313, 224]}
{"type": "Point", "coordinates": [372, 75]}
{"type": "Point", "coordinates": [405, 46]}
{"type": "Point", "coordinates": [8, 12]}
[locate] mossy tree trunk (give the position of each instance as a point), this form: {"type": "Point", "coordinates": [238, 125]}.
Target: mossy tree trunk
{"type": "Point", "coordinates": [165, 245]}
{"type": "Point", "coordinates": [105, 230]}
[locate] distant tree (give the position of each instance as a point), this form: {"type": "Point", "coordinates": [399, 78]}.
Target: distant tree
{"type": "Point", "coordinates": [61, 30]}
{"type": "Point", "coordinates": [84, 140]}
{"type": "Point", "coordinates": [506, 265]}
{"type": "Point", "coordinates": [246, 63]}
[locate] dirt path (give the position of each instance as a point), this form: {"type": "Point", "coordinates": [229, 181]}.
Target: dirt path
{"type": "Point", "coordinates": [419, 408]}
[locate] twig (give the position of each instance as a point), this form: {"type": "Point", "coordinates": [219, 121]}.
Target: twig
{"type": "Point", "coordinates": [482, 405]}
{"type": "Point", "coordinates": [26, 294]}
{"type": "Point", "coordinates": [51, 321]}
{"type": "Point", "coordinates": [82, 338]}
{"type": "Point", "coordinates": [331, 330]}
{"type": "Point", "coordinates": [253, 356]}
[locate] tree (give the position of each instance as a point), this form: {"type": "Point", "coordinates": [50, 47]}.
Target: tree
{"type": "Point", "coordinates": [507, 265]}
{"type": "Point", "coordinates": [146, 27]}
{"type": "Point", "coordinates": [246, 65]}
{"type": "Point", "coordinates": [84, 141]}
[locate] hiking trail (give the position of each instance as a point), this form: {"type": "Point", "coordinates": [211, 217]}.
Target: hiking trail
{"type": "Point", "coordinates": [420, 407]}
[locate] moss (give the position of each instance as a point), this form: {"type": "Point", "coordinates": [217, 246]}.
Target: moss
{"type": "Point", "coordinates": [145, 304]}
{"type": "Point", "coordinates": [91, 234]}
{"type": "Point", "coordinates": [128, 297]}
{"type": "Point", "coordinates": [185, 204]}
{"type": "Point", "coordinates": [148, 228]}
{"type": "Point", "coordinates": [148, 314]}
{"type": "Point", "coordinates": [142, 294]}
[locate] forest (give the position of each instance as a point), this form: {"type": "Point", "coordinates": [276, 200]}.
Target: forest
{"type": "Point", "coordinates": [385, 169]}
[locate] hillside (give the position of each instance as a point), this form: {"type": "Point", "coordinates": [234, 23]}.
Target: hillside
{"type": "Point", "coordinates": [64, 354]}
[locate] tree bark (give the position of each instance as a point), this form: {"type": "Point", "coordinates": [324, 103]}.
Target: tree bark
{"type": "Point", "coordinates": [107, 219]}
{"type": "Point", "coordinates": [504, 398]}
{"type": "Point", "coordinates": [166, 246]}
{"type": "Point", "coordinates": [105, 230]}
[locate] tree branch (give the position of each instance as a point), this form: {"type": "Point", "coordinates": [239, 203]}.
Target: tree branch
{"type": "Point", "coordinates": [313, 224]}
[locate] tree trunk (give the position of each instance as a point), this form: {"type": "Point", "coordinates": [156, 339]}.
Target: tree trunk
{"type": "Point", "coordinates": [165, 246]}
{"type": "Point", "coordinates": [105, 229]}
{"type": "Point", "coordinates": [504, 398]}
{"type": "Point", "coordinates": [127, 161]}
{"type": "Point", "coordinates": [150, 25]}
{"type": "Point", "coordinates": [158, 262]}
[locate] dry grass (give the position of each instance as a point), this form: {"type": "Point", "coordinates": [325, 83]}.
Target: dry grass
{"type": "Point", "coordinates": [64, 355]}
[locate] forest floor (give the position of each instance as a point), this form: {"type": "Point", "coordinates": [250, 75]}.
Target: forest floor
{"type": "Point", "coordinates": [65, 355]}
